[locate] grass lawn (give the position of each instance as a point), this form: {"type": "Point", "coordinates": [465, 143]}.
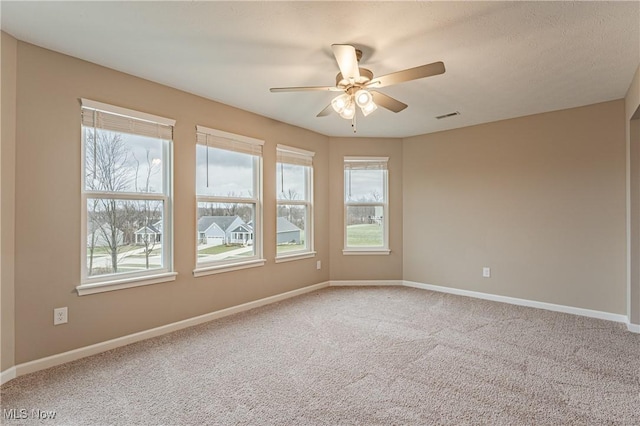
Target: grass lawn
{"type": "Point", "coordinates": [283, 248]}
{"type": "Point", "coordinates": [217, 249]}
{"type": "Point", "coordinates": [364, 235]}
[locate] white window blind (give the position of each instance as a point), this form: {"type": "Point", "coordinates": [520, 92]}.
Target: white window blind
{"type": "Point", "coordinates": [116, 119]}
{"type": "Point", "coordinates": [291, 155]}
{"type": "Point", "coordinates": [365, 163]}
{"type": "Point", "coordinates": [229, 141]}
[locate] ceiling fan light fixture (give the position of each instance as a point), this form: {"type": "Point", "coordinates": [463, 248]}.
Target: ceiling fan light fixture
{"type": "Point", "coordinates": [349, 111]}
{"type": "Point", "coordinates": [363, 98]}
{"type": "Point", "coordinates": [339, 103]}
{"type": "Point", "coordinates": [369, 108]}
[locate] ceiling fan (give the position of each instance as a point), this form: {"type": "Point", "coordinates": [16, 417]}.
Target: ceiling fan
{"type": "Point", "coordinates": [357, 85]}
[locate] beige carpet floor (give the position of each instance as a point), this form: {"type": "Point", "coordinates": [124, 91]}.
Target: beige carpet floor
{"type": "Point", "coordinates": [366, 356]}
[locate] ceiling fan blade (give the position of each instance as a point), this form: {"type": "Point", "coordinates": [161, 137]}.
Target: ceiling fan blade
{"type": "Point", "coordinates": [408, 74]}
{"type": "Point", "coordinates": [387, 101]}
{"type": "Point", "coordinates": [328, 110]}
{"type": "Point", "coordinates": [347, 60]}
{"type": "Point", "coordinates": [306, 89]}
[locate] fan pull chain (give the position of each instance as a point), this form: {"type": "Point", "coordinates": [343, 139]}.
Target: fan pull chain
{"type": "Point", "coordinates": [353, 123]}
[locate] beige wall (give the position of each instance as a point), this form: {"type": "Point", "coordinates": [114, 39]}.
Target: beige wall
{"type": "Point", "coordinates": [365, 267]}
{"type": "Point", "coordinates": [48, 208]}
{"type": "Point", "coordinates": [7, 198]}
{"type": "Point", "coordinates": [632, 127]}
{"type": "Point", "coordinates": [539, 199]}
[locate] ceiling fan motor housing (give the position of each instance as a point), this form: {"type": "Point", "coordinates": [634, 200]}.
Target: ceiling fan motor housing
{"type": "Point", "coordinates": [344, 83]}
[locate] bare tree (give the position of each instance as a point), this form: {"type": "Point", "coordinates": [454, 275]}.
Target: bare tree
{"type": "Point", "coordinates": [150, 215]}
{"type": "Point", "coordinates": [290, 194]}
{"type": "Point", "coordinates": [106, 170]}
{"type": "Point", "coordinates": [376, 195]}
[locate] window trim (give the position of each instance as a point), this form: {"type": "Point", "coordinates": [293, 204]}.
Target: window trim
{"type": "Point", "coordinates": [117, 281]}
{"type": "Point", "coordinates": [295, 256]}
{"type": "Point", "coordinates": [112, 285]}
{"type": "Point", "coordinates": [304, 158]}
{"type": "Point", "coordinates": [368, 250]}
{"type": "Point", "coordinates": [255, 148]}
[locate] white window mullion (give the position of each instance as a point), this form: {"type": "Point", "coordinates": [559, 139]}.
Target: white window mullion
{"type": "Point", "coordinates": [227, 200]}
{"type": "Point", "coordinates": [126, 196]}
{"type": "Point", "coordinates": [294, 202]}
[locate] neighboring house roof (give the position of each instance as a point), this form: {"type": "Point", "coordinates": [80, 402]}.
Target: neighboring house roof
{"type": "Point", "coordinates": [283, 225]}
{"type": "Point", "coordinates": [149, 229]}
{"type": "Point", "coordinates": [242, 228]}
{"type": "Point", "coordinates": [222, 221]}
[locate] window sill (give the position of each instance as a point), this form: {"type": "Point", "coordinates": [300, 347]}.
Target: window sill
{"type": "Point", "coordinates": [101, 287]}
{"type": "Point", "coordinates": [366, 252]}
{"type": "Point", "coordinates": [299, 256]}
{"type": "Point", "coordinates": [228, 267]}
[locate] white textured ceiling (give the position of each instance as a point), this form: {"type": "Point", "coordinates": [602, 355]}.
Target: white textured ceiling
{"type": "Point", "coordinates": [503, 59]}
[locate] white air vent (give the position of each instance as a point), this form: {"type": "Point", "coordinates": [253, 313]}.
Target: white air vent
{"type": "Point", "coordinates": [451, 114]}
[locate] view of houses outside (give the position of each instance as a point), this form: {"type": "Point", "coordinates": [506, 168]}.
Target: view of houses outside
{"type": "Point", "coordinates": [293, 196]}
{"type": "Point", "coordinates": [290, 228]}
{"type": "Point", "coordinates": [225, 231]}
{"type": "Point", "coordinates": [124, 234]}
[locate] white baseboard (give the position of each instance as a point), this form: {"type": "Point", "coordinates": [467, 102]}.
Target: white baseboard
{"type": "Point", "coordinates": [8, 374]}
{"type": "Point", "coordinates": [634, 328]}
{"type": "Point", "coordinates": [522, 302]}
{"type": "Point", "coordinates": [53, 360]}
{"type": "Point", "coordinates": [362, 283]}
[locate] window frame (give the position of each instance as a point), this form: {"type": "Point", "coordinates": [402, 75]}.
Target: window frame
{"type": "Point", "coordinates": [293, 155]}
{"type": "Point", "coordinates": [367, 250]}
{"type": "Point", "coordinates": [230, 139]}
{"type": "Point", "coordinates": [121, 280]}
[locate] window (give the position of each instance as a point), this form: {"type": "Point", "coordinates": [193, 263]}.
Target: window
{"type": "Point", "coordinates": [294, 218]}
{"type": "Point", "coordinates": [365, 205]}
{"type": "Point", "coordinates": [126, 198]}
{"type": "Point", "coordinates": [228, 201]}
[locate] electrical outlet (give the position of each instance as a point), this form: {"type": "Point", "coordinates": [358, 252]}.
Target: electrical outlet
{"type": "Point", "coordinates": [318, 264]}
{"type": "Point", "coordinates": [60, 316]}
{"type": "Point", "coordinates": [486, 272]}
